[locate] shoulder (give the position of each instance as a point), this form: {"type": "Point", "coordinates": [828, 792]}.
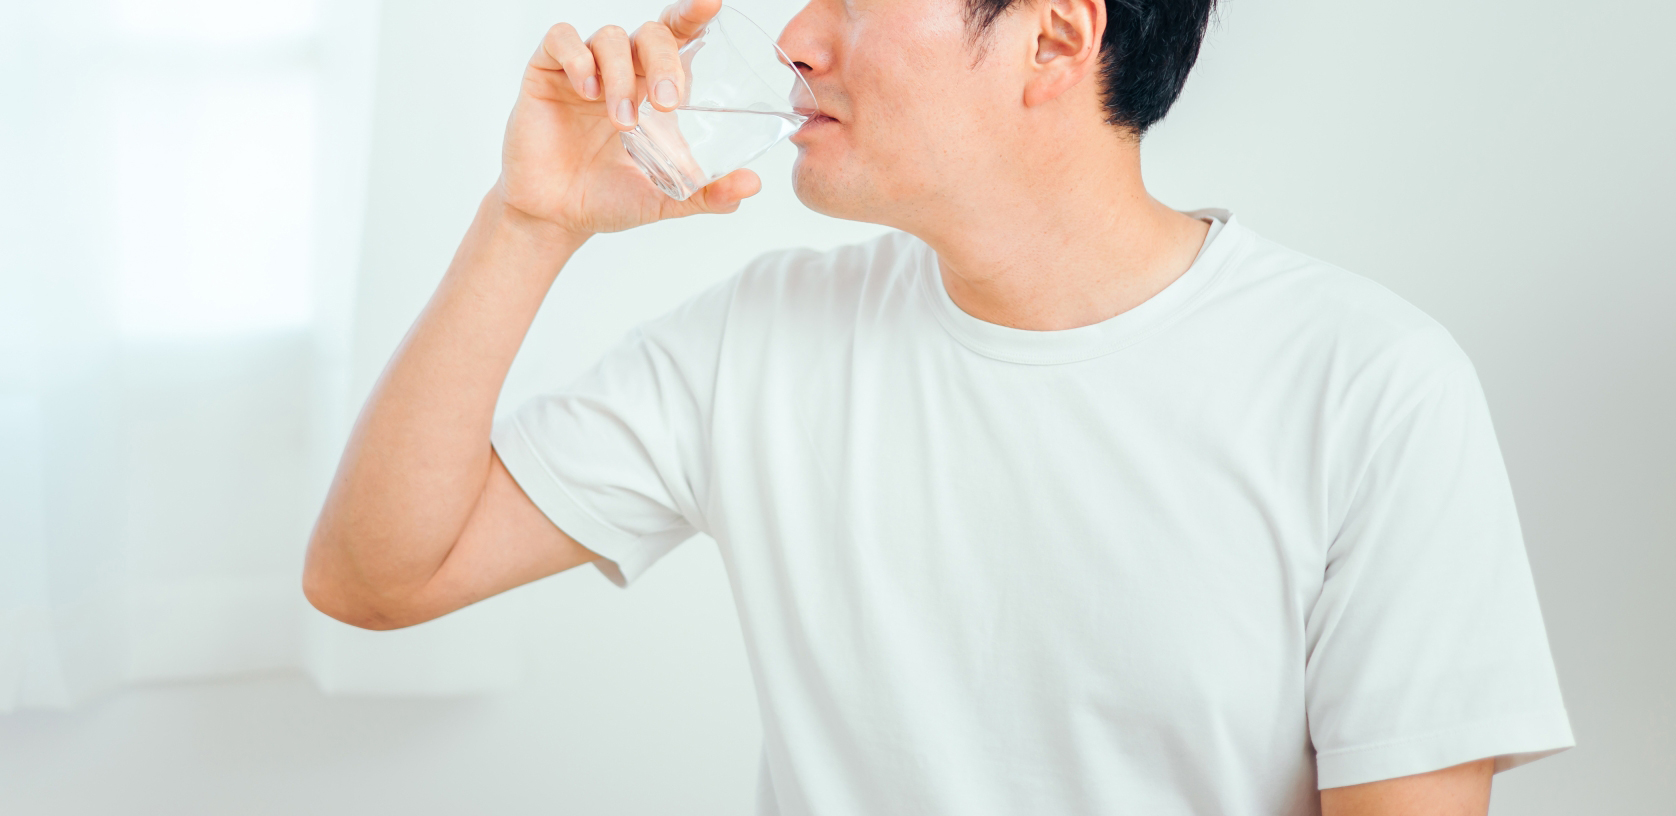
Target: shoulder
{"type": "Point", "coordinates": [1350, 301]}
{"type": "Point", "coordinates": [788, 292]}
{"type": "Point", "coordinates": [1360, 322]}
{"type": "Point", "coordinates": [799, 278]}
{"type": "Point", "coordinates": [1342, 341]}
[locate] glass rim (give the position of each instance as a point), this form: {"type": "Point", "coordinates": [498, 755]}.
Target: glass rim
{"type": "Point", "coordinates": [785, 59]}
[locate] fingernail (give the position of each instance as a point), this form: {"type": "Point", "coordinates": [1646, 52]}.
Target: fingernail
{"type": "Point", "coordinates": [590, 87]}
{"type": "Point", "coordinates": [665, 93]}
{"type": "Point", "coordinates": [625, 112]}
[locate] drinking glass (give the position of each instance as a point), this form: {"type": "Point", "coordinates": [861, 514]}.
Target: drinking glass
{"type": "Point", "coordinates": [742, 97]}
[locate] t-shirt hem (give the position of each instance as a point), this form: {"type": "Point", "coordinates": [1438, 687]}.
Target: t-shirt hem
{"type": "Point", "coordinates": [1513, 740]}
{"type": "Point", "coordinates": [622, 558]}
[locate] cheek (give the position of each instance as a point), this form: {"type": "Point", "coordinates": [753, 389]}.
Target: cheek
{"type": "Point", "coordinates": [922, 39]}
{"type": "Point", "coordinates": [904, 76]}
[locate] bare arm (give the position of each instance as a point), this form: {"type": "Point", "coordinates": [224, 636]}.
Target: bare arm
{"type": "Point", "coordinates": [417, 464]}
{"type": "Point", "coordinates": [422, 518]}
{"type": "Point", "coordinates": [1460, 790]}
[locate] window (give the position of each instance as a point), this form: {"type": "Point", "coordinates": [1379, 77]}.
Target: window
{"type": "Point", "coordinates": [212, 142]}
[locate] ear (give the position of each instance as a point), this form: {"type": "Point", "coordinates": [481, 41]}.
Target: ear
{"type": "Point", "coordinates": [1067, 47]}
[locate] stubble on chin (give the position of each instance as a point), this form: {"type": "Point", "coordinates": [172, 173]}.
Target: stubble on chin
{"type": "Point", "coordinates": [828, 196]}
{"type": "Point", "coordinates": [809, 188]}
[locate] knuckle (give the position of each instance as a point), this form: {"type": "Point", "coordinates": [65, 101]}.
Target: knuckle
{"type": "Point", "coordinates": [653, 31]}
{"type": "Point", "coordinates": [611, 32]}
{"type": "Point", "coordinates": [610, 48]}
{"type": "Point", "coordinates": [662, 69]}
{"type": "Point", "coordinates": [688, 20]}
{"type": "Point", "coordinates": [560, 31]}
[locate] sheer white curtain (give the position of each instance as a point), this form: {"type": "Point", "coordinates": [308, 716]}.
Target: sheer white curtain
{"type": "Point", "coordinates": [181, 194]}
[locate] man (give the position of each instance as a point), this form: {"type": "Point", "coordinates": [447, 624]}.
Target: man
{"type": "Point", "coordinates": [1053, 500]}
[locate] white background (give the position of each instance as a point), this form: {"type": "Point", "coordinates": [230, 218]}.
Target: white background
{"type": "Point", "coordinates": [1499, 164]}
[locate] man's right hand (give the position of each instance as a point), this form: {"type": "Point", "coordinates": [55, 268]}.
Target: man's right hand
{"type": "Point", "coordinates": [562, 161]}
{"type": "Point", "coordinates": [423, 518]}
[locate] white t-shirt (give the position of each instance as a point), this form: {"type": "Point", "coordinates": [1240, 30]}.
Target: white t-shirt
{"type": "Point", "coordinates": [1249, 538]}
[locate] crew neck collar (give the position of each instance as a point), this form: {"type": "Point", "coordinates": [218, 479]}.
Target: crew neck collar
{"type": "Point", "coordinates": [1032, 347]}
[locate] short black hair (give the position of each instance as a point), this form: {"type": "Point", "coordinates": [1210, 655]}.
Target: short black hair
{"type": "Point", "coordinates": [1145, 53]}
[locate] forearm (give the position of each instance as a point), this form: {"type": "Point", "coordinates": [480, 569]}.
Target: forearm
{"type": "Point", "coordinates": [418, 457]}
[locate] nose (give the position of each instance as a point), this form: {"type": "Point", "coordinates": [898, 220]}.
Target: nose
{"type": "Point", "coordinates": [807, 39]}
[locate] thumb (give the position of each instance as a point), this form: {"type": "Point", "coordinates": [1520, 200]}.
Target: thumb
{"type": "Point", "coordinates": [724, 194]}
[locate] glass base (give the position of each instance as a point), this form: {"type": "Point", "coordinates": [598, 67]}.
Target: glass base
{"type": "Point", "coordinates": [657, 166]}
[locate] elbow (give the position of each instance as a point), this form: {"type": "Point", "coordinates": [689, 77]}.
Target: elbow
{"type": "Point", "coordinates": [334, 600]}
{"type": "Point", "coordinates": [332, 604]}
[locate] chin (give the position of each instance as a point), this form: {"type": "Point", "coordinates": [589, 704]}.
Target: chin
{"type": "Point", "coordinates": [820, 190]}
{"type": "Point", "coordinates": [811, 185]}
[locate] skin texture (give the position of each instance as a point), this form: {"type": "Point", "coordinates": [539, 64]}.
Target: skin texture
{"type": "Point", "coordinates": [995, 153]}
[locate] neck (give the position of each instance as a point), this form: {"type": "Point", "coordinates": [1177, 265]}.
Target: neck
{"type": "Point", "coordinates": [1068, 238]}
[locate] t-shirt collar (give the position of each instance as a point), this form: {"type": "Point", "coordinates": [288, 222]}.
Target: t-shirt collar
{"type": "Point", "coordinates": [1085, 342]}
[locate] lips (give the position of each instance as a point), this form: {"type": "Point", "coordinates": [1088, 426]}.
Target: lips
{"type": "Point", "coordinates": [815, 120]}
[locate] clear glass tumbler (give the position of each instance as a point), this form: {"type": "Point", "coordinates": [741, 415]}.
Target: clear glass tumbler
{"type": "Point", "coordinates": [742, 97]}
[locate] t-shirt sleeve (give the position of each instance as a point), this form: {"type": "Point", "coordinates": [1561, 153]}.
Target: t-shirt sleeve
{"type": "Point", "coordinates": [1426, 644]}
{"type": "Point", "coordinates": [618, 458]}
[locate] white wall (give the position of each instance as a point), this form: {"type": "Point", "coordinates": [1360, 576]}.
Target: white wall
{"type": "Point", "coordinates": [1498, 164]}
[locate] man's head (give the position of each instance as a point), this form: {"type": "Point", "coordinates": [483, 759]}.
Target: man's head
{"type": "Point", "coordinates": [935, 102]}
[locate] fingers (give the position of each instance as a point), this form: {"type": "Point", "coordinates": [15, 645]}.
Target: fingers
{"type": "Point", "coordinates": [562, 50]}
{"type": "Point", "coordinates": [612, 53]}
{"type": "Point", "coordinates": [686, 18]}
{"type": "Point", "coordinates": [720, 196]}
{"type": "Point", "coordinates": [656, 58]}
{"type": "Point", "coordinates": [724, 194]}
{"type": "Point", "coordinates": [608, 64]}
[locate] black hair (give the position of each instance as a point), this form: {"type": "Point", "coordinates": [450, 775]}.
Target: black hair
{"type": "Point", "coordinates": [1145, 54]}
